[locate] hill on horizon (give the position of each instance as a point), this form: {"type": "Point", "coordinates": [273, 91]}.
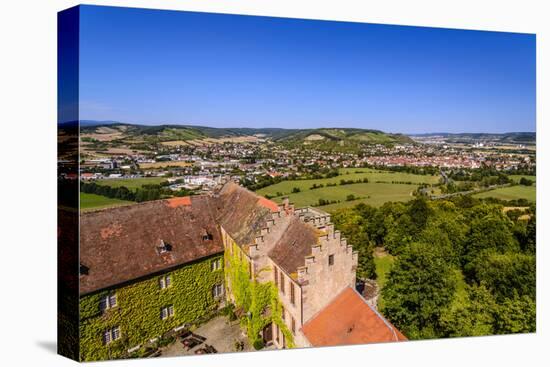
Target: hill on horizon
{"type": "Point", "coordinates": [310, 137]}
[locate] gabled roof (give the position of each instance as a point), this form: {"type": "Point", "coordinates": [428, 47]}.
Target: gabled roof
{"type": "Point", "coordinates": [122, 244]}
{"type": "Point", "coordinates": [348, 319]}
{"type": "Point", "coordinates": [294, 245]}
{"type": "Point", "coordinates": [242, 213]}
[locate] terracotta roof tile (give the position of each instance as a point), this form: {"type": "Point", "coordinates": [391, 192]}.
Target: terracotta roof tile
{"type": "Point", "coordinates": [348, 319]}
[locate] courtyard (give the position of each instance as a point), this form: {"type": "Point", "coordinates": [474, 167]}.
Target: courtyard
{"type": "Point", "coordinates": [219, 333]}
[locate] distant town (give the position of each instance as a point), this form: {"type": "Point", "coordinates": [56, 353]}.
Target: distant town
{"type": "Point", "coordinates": [192, 160]}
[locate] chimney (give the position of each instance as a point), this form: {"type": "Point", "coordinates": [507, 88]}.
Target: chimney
{"type": "Point", "coordinates": [286, 203]}
{"type": "Point", "coordinates": [289, 209]}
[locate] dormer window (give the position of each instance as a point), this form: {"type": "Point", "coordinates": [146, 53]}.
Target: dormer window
{"type": "Point", "coordinates": [164, 247]}
{"type": "Point", "coordinates": [207, 236]}
{"type": "Point", "coordinates": [84, 270]}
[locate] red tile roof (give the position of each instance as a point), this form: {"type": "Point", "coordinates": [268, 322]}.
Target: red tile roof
{"type": "Point", "coordinates": [348, 319]}
{"type": "Point", "coordinates": [266, 203]}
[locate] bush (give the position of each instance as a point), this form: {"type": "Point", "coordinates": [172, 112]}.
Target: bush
{"type": "Point", "coordinates": [239, 346]}
{"type": "Point", "coordinates": [525, 182]}
{"type": "Point", "coordinates": [258, 344]}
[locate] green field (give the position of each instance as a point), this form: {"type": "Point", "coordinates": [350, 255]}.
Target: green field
{"type": "Point", "coordinates": [516, 178]}
{"type": "Point", "coordinates": [511, 193]}
{"type": "Point", "coordinates": [383, 267]}
{"type": "Point", "coordinates": [93, 201]}
{"type": "Point", "coordinates": [383, 263]}
{"type": "Point", "coordinates": [132, 183]}
{"type": "Point", "coordinates": [371, 193]}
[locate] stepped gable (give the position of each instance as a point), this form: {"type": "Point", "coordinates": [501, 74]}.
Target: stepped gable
{"type": "Point", "coordinates": [348, 319]}
{"type": "Point", "coordinates": [242, 213]}
{"type": "Point", "coordinates": [124, 243]}
{"type": "Point", "coordinates": [294, 245]}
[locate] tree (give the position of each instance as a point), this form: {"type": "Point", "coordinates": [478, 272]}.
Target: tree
{"type": "Point", "coordinates": [353, 225]}
{"type": "Point", "coordinates": [525, 181]}
{"type": "Point", "coordinates": [419, 211]}
{"type": "Point", "coordinates": [491, 233]}
{"type": "Point", "coordinates": [420, 285]}
{"type": "Point", "coordinates": [447, 231]}
{"type": "Point", "coordinates": [516, 315]}
{"type": "Point", "coordinates": [474, 316]}
{"type": "Point", "coordinates": [507, 274]}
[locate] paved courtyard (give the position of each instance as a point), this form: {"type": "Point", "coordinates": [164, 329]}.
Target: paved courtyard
{"type": "Point", "coordinates": [219, 333]}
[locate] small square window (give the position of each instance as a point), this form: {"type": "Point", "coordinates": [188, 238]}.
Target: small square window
{"type": "Point", "coordinates": [111, 335]}
{"type": "Point", "coordinates": [331, 260]}
{"type": "Point", "coordinates": [116, 333]}
{"type": "Point", "coordinates": [216, 264]}
{"type": "Point", "coordinates": [165, 281]}
{"type": "Point", "coordinates": [107, 302]}
{"type": "Point", "coordinates": [167, 312]}
{"type": "Point", "coordinates": [217, 291]}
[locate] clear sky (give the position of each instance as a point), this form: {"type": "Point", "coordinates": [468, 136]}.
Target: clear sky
{"type": "Point", "coordinates": [158, 67]}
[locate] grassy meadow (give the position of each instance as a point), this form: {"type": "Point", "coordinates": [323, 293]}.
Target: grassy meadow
{"type": "Point", "coordinates": [376, 192]}
{"type": "Point", "coordinates": [131, 183]}
{"type": "Point", "coordinates": [511, 193]}
{"type": "Point", "coordinates": [516, 178]}
{"type": "Point", "coordinates": [93, 201]}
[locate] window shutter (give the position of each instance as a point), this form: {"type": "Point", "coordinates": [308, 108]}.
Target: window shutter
{"type": "Point", "coordinates": [103, 304]}
{"type": "Point", "coordinates": [106, 336]}
{"type": "Point", "coordinates": [116, 332]}
{"type": "Point", "coordinates": [112, 300]}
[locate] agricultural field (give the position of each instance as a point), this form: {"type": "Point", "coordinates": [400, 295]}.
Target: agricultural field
{"type": "Point", "coordinates": [511, 193]}
{"type": "Point", "coordinates": [516, 178]}
{"type": "Point", "coordinates": [132, 183]}
{"type": "Point", "coordinates": [165, 164]}
{"type": "Point", "coordinates": [93, 201]}
{"type": "Point", "coordinates": [372, 193]}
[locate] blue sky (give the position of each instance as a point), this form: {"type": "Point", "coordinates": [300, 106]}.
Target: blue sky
{"type": "Point", "coordinates": [158, 67]}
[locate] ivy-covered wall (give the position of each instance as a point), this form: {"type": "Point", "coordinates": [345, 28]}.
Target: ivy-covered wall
{"type": "Point", "coordinates": [259, 301]}
{"type": "Point", "coordinates": [139, 305]}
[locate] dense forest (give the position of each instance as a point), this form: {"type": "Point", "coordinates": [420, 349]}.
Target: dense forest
{"type": "Point", "coordinates": [463, 266]}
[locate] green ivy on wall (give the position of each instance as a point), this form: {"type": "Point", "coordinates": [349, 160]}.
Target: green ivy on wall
{"type": "Point", "coordinates": [259, 301]}
{"type": "Point", "coordinates": [138, 308]}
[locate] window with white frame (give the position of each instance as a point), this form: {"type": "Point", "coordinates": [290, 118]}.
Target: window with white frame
{"type": "Point", "coordinates": [111, 335]}
{"type": "Point", "coordinates": [165, 281]}
{"type": "Point", "coordinates": [167, 312]}
{"type": "Point", "coordinates": [217, 290]}
{"type": "Point", "coordinates": [107, 302]}
{"type": "Point", "coordinates": [216, 264]}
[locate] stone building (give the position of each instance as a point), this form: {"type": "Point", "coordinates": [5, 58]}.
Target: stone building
{"type": "Point", "coordinates": [311, 265]}
{"type": "Point", "coordinates": [151, 268]}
